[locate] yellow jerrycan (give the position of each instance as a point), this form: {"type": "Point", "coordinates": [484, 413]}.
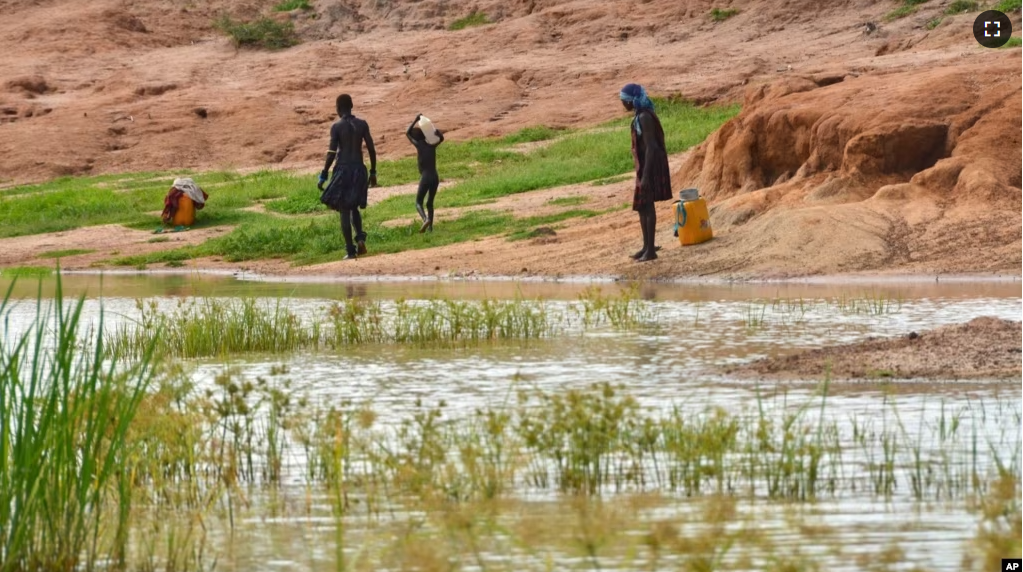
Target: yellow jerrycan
{"type": "Point", "coordinates": [692, 221]}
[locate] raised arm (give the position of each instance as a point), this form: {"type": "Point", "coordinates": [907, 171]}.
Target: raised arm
{"type": "Point", "coordinates": [408, 132]}
{"type": "Point", "coordinates": [440, 135]}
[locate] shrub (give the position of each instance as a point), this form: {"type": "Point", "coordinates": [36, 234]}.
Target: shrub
{"type": "Point", "coordinates": [719, 15]}
{"type": "Point", "coordinates": [263, 33]}
{"type": "Point", "coordinates": [473, 19]}
{"type": "Point", "coordinates": [289, 5]}
{"type": "Point", "coordinates": [900, 12]}
{"type": "Point", "coordinates": [960, 6]}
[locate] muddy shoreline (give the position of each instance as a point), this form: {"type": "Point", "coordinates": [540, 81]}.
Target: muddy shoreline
{"type": "Point", "coordinates": [983, 348]}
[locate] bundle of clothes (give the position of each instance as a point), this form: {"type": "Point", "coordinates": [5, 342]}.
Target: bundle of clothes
{"type": "Point", "coordinates": [182, 187]}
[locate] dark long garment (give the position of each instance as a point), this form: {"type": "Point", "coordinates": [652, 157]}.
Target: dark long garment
{"type": "Point", "coordinates": [659, 187]}
{"type": "Point", "coordinates": [348, 192]}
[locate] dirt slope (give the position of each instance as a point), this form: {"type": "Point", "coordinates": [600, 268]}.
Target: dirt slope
{"type": "Point", "coordinates": [891, 150]}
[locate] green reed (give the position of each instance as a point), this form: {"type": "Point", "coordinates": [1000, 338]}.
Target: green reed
{"type": "Point", "coordinates": [65, 416]}
{"type": "Point", "coordinates": [211, 327]}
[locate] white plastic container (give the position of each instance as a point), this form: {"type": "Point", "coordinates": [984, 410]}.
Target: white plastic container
{"type": "Point", "coordinates": [428, 130]}
{"type": "Point", "coordinates": [687, 195]}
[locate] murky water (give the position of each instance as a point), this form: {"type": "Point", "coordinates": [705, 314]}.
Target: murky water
{"type": "Point", "coordinates": [675, 363]}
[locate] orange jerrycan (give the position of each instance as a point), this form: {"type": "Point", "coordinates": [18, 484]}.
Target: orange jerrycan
{"type": "Point", "coordinates": [185, 215]}
{"type": "Point", "coordinates": [692, 221]}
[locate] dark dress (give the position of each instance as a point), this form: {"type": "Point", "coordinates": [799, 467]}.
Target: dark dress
{"type": "Point", "coordinates": [659, 188]}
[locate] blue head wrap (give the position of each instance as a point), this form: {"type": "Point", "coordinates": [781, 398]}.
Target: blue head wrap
{"type": "Point", "coordinates": [635, 94]}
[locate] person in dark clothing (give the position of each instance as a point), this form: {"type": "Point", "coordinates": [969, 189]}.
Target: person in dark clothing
{"type": "Point", "coordinates": [428, 178]}
{"type": "Point", "coordinates": [347, 192]}
{"type": "Point", "coordinates": [653, 178]}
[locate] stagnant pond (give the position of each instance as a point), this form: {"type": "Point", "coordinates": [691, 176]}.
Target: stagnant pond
{"type": "Point", "coordinates": [672, 364]}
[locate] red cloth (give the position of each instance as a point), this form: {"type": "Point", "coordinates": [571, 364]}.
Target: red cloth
{"type": "Point", "coordinates": [170, 204]}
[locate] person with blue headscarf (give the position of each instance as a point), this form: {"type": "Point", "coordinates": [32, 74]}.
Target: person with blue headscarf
{"type": "Point", "coordinates": [653, 178]}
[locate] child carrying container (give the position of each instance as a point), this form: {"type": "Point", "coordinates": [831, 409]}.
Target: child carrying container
{"type": "Point", "coordinates": [426, 138]}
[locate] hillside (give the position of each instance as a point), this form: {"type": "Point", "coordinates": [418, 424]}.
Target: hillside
{"type": "Point", "coordinates": [892, 148]}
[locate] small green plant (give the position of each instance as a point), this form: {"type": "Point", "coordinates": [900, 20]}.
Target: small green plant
{"type": "Point", "coordinates": [67, 252]}
{"type": "Point", "coordinates": [720, 15]}
{"type": "Point", "coordinates": [900, 12]}
{"type": "Point", "coordinates": [934, 22]}
{"type": "Point", "coordinates": [473, 19]}
{"type": "Point", "coordinates": [263, 33]}
{"type": "Point", "coordinates": [961, 6]}
{"type": "Point", "coordinates": [567, 201]}
{"type": "Point", "coordinates": [289, 5]}
{"type": "Point", "coordinates": [1014, 42]}
{"type": "Point", "coordinates": [1009, 6]}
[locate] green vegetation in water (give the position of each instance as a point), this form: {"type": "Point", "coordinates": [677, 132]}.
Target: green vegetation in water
{"type": "Point", "coordinates": [65, 418]}
{"type": "Point", "coordinates": [67, 252]}
{"type": "Point", "coordinates": [216, 327]}
{"type": "Point", "coordinates": [720, 15]}
{"type": "Point", "coordinates": [961, 6]}
{"type": "Point", "coordinates": [289, 5]}
{"type": "Point", "coordinates": [1007, 6]}
{"type": "Point", "coordinates": [568, 201]}
{"type": "Point", "coordinates": [142, 468]}
{"type": "Point", "coordinates": [486, 170]}
{"type": "Point", "coordinates": [473, 19]}
{"type": "Point", "coordinates": [262, 33]}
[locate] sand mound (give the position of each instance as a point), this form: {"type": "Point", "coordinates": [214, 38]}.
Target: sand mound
{"type": "Point", "coordinates": [982, 348]}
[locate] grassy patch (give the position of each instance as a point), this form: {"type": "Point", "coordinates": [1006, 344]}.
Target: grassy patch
{"type": "Point", "coordinates": [568, 201]}
{"type": "Point", "coordinates": [934, 22]}
{"type": "Point", "coordinates": [473, 19]}
{"type": "Point", "coordinates": [289, 5]}
{"type": "Point", "coordinates": [262, 33]}
{"type": "Point", "coordinates": [531, 134]}
{"type": "Point", "coordinates": [1007, 6]}
{"type": "Point", "coordinates": [611, 180]}
{"type": "Point", "coordinates": [1014, 42]}
{"type": "Point", "coordinates": [67, 252]}
{"type": "Point", "coordinates": [900, 12]}
{"type": "Point", "coordinates": [961, 6]}
{"type": "Point", "coordinates": [720, 15]}
{"type": "Point", "coordinates": [485, 168]}
{"type": "Point", "coordinates": [26, 272]}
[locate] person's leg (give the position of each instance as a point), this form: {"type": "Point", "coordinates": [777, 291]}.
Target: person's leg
{"type": "Point", "coordinates": [346, 232]}
{"type": "Point", "coordinates": [431, 193]}
{"type": "Point", "coordinates": [420, 197]}
{"type": "Point", "coordinates": [360, 235]}
{"type": "Point", "coordinates": [648, 219]}
{"type": "Point", "coordinates": [643, 227]}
